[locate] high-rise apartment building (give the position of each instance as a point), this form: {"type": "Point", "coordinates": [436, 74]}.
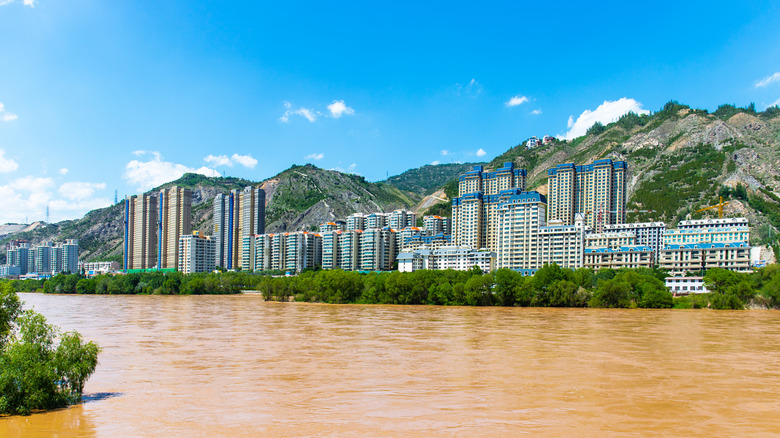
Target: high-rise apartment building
{"type": "Point", "coordinates": [17, 255]}
{"type": "Point", "coordinates": [196, 253]}
{"type": "Point", "coordinates": [221, 230]}
{"type": "Point", "coordinates": [400, 219]}
{"type": "Point", "coordinates": [174, 221]}
{"type": "Point", "coordinates": [520, 218]}
{"type": "Point", "coordinates": [238, 214]}
{"type": "Point", "coordinates": [356, 221]}
{"type": "Point", "coordinates": [377, 249]}
{"type": "Point", "coordinates": [597, 190]}
{"type": "Point", "coordinates": [284, 251]}
{"type": "Point", "coordinates": [140, 251]}
{"type": "Point", "coordinates": [377, 220]}
{"type": "Point", "coordinates": [475, 210]}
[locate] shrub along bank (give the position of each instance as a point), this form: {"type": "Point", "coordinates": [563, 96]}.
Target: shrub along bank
{"type": "Point", "coordinates": [552, 286]}
{"type": "Point", "coordinates": [36, 371]}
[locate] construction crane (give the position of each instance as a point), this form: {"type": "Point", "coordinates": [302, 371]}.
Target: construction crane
{"type": "Point", "coordinates": [719, 206]}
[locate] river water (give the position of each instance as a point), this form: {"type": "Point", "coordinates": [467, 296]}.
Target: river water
{"type": "Point", "coordinates": [238, 366]}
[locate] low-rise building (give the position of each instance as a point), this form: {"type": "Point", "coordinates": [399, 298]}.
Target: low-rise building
{"type": "Point", "coordinates": [680, 236]}
{"type": "Point", "coordinates": [410, 261]}
{"type": "Point", "coordinates": [7, 271]}
{"type": "Point", "coordinates": [562, 244]}
{"type": "Point", "coordinates": [686, 285]}
{"type": "Point", "coordinates": [726, 222]}
{"type": "Point", "coordinates": [610, 239]}
{"type": "Point", "coordinates": [645, 233]}
{"type": "Point", "coordinates": [633, 256]}
{"type": "Point", "coordinates": [696, 257]}
{"type": "Point", "coordinates": [92, 269]}
{"type": "Point", "coordinates": [462, 258]}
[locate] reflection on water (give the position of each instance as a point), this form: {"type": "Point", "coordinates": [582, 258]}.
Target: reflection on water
{"type": "Point", "coordinates": [237, 366]}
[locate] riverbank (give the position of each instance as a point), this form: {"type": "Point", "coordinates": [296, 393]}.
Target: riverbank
{"type": "Point", "coordinates": [551, 286]}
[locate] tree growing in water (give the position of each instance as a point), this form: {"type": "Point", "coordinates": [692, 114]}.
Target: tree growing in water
{"type": "Point", "coordinates": [36, 372]}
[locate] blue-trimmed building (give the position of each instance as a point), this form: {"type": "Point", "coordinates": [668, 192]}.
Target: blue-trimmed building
{"type": "Point", "coordinates": [629, 256]}
{"type": "Point", "coordinates": [680, 259]}
{"type": "Point", "coordinates": [597, 190]}
{"type": "Point", "coordinates": [475, 210]}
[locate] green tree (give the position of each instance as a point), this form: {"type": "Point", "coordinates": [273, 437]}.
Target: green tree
{"type": "Point", "coordinates": [611, 293]}
{"type": "Point", "coordinates": [36, 373]}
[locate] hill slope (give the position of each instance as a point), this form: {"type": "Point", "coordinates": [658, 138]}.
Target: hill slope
{"type": "Point", "coordinates": [428, 179]}
{"type": "Point", "coordinates": [301, 197]}
{"type": "Point", "coordinates": [680, 160]}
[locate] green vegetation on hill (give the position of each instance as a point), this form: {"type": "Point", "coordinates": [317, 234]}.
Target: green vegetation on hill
{"type": "Point", "coordinates": [680, 183]}
{"type": "Point", "coordinates": [428, 179]}
{"type": "Point", "coordinates": [299, 188]}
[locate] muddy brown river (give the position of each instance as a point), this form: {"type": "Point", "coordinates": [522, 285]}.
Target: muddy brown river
{"type": "Point", "coordinates": [207, 366]}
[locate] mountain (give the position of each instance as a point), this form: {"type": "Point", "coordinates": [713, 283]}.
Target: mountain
{"type": "Point", "coordinates": [301, 197]}
{"type": "Point", "coordinates": [680, 159]}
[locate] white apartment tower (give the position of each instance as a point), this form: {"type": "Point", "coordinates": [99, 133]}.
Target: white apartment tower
{"type": "Point", "coordinates": [475, 210]}
{"type": "Point", "coordinates": [174, 221]}
{"type": "Point", "coordinates": [596, 190]}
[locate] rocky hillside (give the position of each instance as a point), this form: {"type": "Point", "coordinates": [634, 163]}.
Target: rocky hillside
{"type": "Point", "coordinates": [301, 197]}
{"type": "Point", "coordinates": [680, 160]}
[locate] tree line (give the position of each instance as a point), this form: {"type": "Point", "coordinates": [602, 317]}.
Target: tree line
{"type": "Point", "coordinates": [551, 286]}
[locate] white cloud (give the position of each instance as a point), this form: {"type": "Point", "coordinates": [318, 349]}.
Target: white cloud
{"type": "Point", "coordinates": [775, 103]}
{"type": "Point", "coordinates": [516, 100]}
{"type": "Point", "coordinates": [768, 80]}
{"type": "Point", "coordinates": [64, 171]}
{"type": "Point", "coordinates": [444, 152]}
{"type": "Point", "coordinates": [26, 199]}
{"type": "Point", "coordinates": [481, 152]}
{"type": "Point", "coordinates": [352, 167]}
{"type": "Point", "coordinates": [218, 160]}
{"type": "Point", "coordinates": [7, 164]}
{"type": "Point", "coordinates": [435, 163]}
{"type": "Point", "coordinates": [138, 153]}
{"type": "Point", "coordinates": [315, 156]}
{"type": "Point", "coordinates": [30, 3]}
{"type": "Point", "coordinates": [338, 108]}
{"type": "Point", "coordinates": [224, 160]}
{"type": "Point", "coordinates": [244, 160]}
{"type": "Point", "coordinates": [79, 191]}
{"type": "Point", "coordinates": [149, 174]}
{"type": "Point", "coordinates": [607, 112]}
{"type": "Point", "coordinates": [536, 111]}
{"type": "Point", "coordinates": [309, 114]}
{"type": "Point", "coordinates": [31, 184]}
{"type": "Point", "coordinates": [5, 115]}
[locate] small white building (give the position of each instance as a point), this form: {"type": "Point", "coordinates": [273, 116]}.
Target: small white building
{"type": "Point", "coordinates": [686, 285]}
{"type": "Point", "coordinates": [459, 258]}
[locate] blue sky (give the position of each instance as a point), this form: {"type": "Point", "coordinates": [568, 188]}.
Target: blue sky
{"type": "Point", "coordinates": [121, 95]}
